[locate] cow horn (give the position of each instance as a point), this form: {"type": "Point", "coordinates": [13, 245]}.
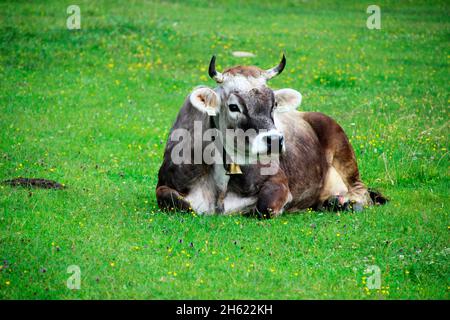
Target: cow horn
{"type": "Point", "coordinates": [269, 74]}
{"type": "Point", "coordinates": [217, 76]}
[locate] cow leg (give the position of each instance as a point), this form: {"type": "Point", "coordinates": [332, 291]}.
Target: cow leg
{"type": "Point", "coordinates": [357, 196]}
{"type": "Point", "coordinates": [344, 192]}
{"type": "Point", "coordinates": [170, 199]}
{"type": "Point", "coordinates": [333, 185]}
{"type": "Point", "coordinates": [340, 195]}
{"type": "Point", "coordinates": [272, 197]}
{"type": "Point", "coordinates": [341, 157]}
{"type": "Point", "coordinates": [344, 161]}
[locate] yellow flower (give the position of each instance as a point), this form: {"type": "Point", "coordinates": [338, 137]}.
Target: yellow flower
{"type": "Point", "coordinates": [112, 264]}
{"type": "Point", "coordinates": [8, 283]}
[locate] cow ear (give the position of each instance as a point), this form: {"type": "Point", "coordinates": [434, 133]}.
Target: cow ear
{"type": "Point", "coordinates": [287, 100]}
{"type": "Point", "coordinates": [206, 100]}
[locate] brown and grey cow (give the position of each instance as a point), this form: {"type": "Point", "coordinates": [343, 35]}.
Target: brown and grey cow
{"type": "Point", "coordinates": [311, 161]}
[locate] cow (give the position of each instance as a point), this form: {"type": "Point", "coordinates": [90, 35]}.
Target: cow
{"type": "Point", "coordinates": [314, 163]}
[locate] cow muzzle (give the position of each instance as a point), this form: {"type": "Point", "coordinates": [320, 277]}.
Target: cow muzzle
{"type": "Point", "coordinates": [267, 143]}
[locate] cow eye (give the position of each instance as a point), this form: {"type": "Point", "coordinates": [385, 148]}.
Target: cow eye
{"type": "Point", "coordinates": [233, 107]}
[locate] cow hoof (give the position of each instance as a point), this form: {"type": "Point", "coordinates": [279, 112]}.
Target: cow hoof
{"type": "Point", "coordinates": [357, 207]}
{"type": "Point", "coordinates": [337, 203]}
{"type": "Point", "coordinates": [333, 204]}
{"type": "Point", "coordinates": [264, 215]}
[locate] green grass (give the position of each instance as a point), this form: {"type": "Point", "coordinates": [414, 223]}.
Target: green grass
{"type": "Point", "coordinates": [92, 109]}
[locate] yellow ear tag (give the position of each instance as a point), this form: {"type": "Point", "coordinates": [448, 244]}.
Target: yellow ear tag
{"type": "Point", "coordinates": [234, 169]}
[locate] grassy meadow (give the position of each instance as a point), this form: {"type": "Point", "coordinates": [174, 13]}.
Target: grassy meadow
{"type": "Point", "coordinates": [92, 108]}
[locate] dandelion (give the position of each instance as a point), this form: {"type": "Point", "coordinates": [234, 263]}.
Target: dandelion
{"type": "Point", "coordinates": [112, 264]}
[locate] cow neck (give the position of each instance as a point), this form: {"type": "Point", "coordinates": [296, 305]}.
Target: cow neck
{"type": "Point", "coordinates": [230, 168]}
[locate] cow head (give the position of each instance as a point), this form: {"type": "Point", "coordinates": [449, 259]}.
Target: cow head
{"type": "Point", "coordinates": [242, 101]}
